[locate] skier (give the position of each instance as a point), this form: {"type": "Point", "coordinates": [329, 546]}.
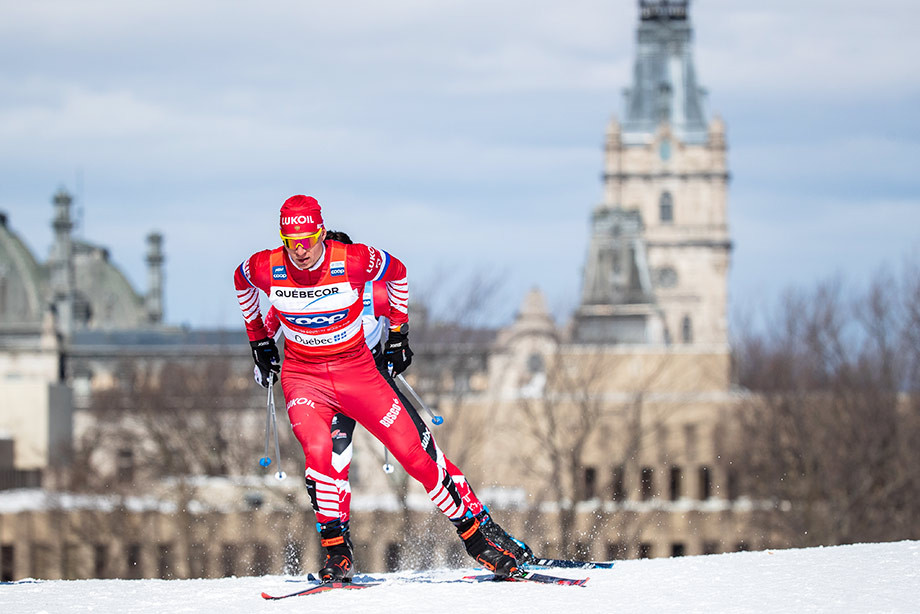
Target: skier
{"type": "Point", "coordinates": [317, 287]}
{"type": "Point", "coordinates": [375, 322]}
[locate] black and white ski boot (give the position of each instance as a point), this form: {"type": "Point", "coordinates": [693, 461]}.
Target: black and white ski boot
{"type": "Point", "coordinates": [339, 564]}
{"type": "Point", "coordinates": [490, 555]}
{"type": "Point", "coordinates": [500, 537]}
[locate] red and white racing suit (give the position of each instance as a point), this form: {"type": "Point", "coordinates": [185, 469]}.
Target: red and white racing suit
{"type": "Point", "coordinates": [327, 366]}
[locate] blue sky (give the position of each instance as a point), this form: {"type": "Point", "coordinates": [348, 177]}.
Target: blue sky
{"type": "Point", "coordinates": [462, 137]}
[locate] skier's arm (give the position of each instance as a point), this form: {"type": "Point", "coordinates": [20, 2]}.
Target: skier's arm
{"type": "Point", "coordinates": [248, 281]}
{"type": "Point", "coordinates": [367, 263]}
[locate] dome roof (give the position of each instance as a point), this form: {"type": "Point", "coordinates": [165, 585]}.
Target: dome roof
{"type": "Point", "coordinates": [104, 297]}
{"type": "Point", "coordinates": [23, 281]}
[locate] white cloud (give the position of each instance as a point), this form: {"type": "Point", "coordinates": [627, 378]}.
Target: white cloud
{"type": "Point", "coordinates": [808, 51]}
{"type": "Point", "coordinates": [207, 114]}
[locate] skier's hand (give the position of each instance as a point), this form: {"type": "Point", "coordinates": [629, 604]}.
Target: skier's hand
{"type": "Point", "coordinates": [268, 362]}
{"type": "Point", "coordinates": [396, 351]}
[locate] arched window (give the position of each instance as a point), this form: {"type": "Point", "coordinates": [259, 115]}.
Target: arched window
{"type": "Point", "coordinates": [686, 330]}
{"type": "Point", "coordinates": [666, 208]}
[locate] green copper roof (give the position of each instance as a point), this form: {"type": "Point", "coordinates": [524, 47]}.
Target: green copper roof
{"type": "Point", "coordinates": [23, 282]}
{"type": "Point", "coordinates": [664, 78]}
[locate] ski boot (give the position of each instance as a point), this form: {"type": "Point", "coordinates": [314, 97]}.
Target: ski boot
{"type": "Point", "coordinates": [339, 564]}
{"type": "Point", "coordinates": [490, 555]}
{"type": "Point", "coordinates": [500, 537]}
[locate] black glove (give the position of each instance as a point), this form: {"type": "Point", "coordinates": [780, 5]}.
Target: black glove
{"type": "Point", "coordinates": [396, 351]}
{"type": "Point", "coordinates": [268, 363]}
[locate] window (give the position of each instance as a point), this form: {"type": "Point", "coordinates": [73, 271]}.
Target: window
{"type": "Point", "coordinates": [678, 549]}
{"type": "Point", "coordinates": [261, 559]}
{"type": "Point", "coordinates": [40, 560]}
{"type": "Point", "coordinates": [686, 330]}
{"type": "Point", "coordinates": [164, 561]}
{"type": "Point", "coordinates": [535, 363]}
{"type": "Point", "coordinates": [705, 483]}
{"type": "Point", "coordinates": [100, 561]}
{"type": "Point", "coordinates": [616, 551]}
{"type": "Point", "coordinates": [392, 556]}
{"type": "Point", "coordinates": [645, 551]}
{"type": "Point", "coordinates": [228, 558]}
{"type": "Point", "coordinates": [70, 561]}
{"type": "Point", "coordinates": [590, 485]}
{"type": "Point", "coordinates": [710, 547]}
{"type": "Point", "coordinates": [197, 561]}
{"type": "Point", "coordinates": [125, 465]}
{"type": "Point", "coordinates": [666, 208]}
{"type": "Point", "coordinates": [134, 569]}
{"type": "Point", "coordinates": [666, 277]}
{"type": "Point", "coordinates": [676, 480]}
{"type": "Point", "coordinates": [732, 484]}
{"type": "Point", "coordinates": [583, 550]}
{"type": "Point", "coordinates": [618, 484]}
{"type": "Point", "coordinates": [647, 483]}
{"type": "Point", "coordinates": [690, 440]}
{"type": "Point", "coordinates": [7, 566]}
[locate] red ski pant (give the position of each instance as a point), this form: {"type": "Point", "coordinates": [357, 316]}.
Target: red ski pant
{"type": "Point", "coordinates": [349, 383]}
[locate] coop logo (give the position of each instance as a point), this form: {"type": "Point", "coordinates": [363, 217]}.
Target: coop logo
{"type": "Point", "coordinates": [317, 320]}
{"type": "Point", "coordinates": [337, 268]}
{"type": "Point", "coordinates": [390, 418]}
{"type": "Point", "coordinates": [279, 272]}
{"type": "Point", "coordinates": [300, 401]}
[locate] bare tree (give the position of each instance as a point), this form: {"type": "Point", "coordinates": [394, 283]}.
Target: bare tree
{"type": "Point", "coordinates": [571, 423]}
{"type": "Point", "coordinates": [831, 434]}
{"type": "Point", "coordinates": [450, 342]}
{"type": "Point", "coordinates": [154, 432]}
{"type": "Point", "coordinates": [169, 420]}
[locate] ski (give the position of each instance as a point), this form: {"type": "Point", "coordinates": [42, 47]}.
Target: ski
{"type": "Point", "coordinates": [527, 576]}
{"type": "Point", "coordinates": [566, 563]}
{"type": "Point", "coordinates": [322, 588]}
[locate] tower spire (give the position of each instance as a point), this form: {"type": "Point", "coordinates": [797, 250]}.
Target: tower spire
{"type": "Point", "coordinates": [664, 85]}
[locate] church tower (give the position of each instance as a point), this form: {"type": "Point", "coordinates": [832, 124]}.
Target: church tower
{"type": "Point", "coordinates": [657, 263]}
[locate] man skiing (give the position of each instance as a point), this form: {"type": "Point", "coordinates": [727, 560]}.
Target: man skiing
{"type": "Point", "coordinates": [375, 319]}
{"type": "Point", "coordinates": [316, 288]}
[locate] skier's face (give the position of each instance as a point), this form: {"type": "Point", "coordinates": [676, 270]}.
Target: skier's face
{"type": "Point", "coordinates": [303, 257]}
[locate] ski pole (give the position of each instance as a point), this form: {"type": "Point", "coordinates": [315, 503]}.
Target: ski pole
{"type": "Point", "coordinates": [435, 419]}
{"type": "Point", "coordinates": [271, 426]}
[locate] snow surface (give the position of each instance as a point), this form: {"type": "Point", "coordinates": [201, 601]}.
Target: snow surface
{"type": "Point", "coordinates": [859, 578]}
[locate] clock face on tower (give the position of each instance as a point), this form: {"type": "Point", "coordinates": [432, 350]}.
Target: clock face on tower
{"type": "Point", "coordinates": [664, 150]}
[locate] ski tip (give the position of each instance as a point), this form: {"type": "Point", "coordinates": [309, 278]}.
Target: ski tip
{"type": "Point", "coordinates": [266, 596]}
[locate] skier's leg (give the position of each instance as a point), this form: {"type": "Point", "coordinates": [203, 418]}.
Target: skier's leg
{"type": "Point", "coordinates": [311, 406]}
{"type": "Point", "coordinates": [364, 395]}
{"type": "Point", "coordinates": [342, 431]}
{"type": "Point", "coordinates": [475, 507]}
